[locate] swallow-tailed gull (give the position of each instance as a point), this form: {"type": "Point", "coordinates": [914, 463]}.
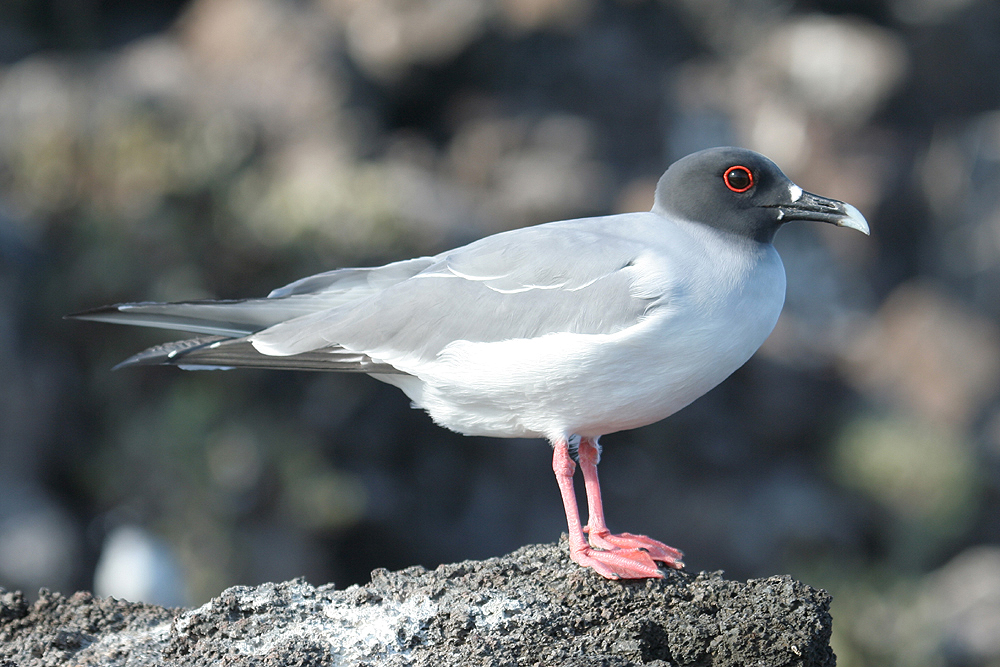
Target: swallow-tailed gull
{"type": "Point", "coordinates": [566, 331]}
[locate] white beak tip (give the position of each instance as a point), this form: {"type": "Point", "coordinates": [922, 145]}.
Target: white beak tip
{"type": "Point", "coordinates": [854, 220]}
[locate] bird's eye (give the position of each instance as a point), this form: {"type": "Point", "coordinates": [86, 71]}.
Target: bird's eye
{"type": "Point", "coordinates": [738, 178]}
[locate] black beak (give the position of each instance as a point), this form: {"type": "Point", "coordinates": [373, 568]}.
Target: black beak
{"type": "Point", "coordinates": [807, 206]}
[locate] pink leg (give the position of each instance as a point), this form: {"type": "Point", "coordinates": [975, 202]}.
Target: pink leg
{"type": "Point", "coordinates": [613, 563]}
{"type": "Point", "coordinates": [600, 536]}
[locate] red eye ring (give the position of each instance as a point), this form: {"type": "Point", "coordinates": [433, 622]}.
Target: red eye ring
{"type": "Point", "coordinates": [738, 178]}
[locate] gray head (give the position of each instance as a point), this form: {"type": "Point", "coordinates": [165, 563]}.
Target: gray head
{"type": "Point", "coordinates": [740, 191]}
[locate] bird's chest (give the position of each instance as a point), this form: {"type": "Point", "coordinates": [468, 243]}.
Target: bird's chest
{"type": "Point", "coordinates": [708, 326]}
{"type": "Point", "coordinates": [725, 313]}
{"type": "Point", "coordinates": [722, 309]}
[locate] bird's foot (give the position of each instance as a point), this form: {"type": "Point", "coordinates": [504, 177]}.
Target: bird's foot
{"type": "Point", "coordinates": [658, 551]}
{"type": "Point", "coordinates": [617, 563]}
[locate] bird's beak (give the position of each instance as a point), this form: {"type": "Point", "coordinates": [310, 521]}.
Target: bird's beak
{"type": "Point", "coordinates": [808, 206]}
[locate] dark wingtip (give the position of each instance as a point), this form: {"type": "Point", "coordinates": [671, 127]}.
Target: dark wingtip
{"type": "Point", "coordinates": [95, 313]}
{"type": "Point", "coordinates": [168, 354]}
{"type": "Point", "coordinates": [131, 361]}
{"type": "Point", "coordinates": [154, 356]}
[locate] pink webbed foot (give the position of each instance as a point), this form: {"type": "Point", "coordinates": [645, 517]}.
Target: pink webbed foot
{"type": "Point", "coordinates": [617, 563]}
{"type": "Point", "coordinates": [657, 551]}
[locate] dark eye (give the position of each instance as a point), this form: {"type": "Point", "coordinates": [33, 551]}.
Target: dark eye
{"type": "Point", "coordinates": [738, 178]}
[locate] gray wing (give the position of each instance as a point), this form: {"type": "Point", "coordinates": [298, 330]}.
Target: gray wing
{"type": "Point", "coordinates": [352, 284]}
{"type": "Point", "coordinates": [562, 277]}
{"type": "Point", "coordinates": [245, 316]}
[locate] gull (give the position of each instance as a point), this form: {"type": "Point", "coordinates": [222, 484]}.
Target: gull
{"type": "Point", "coordinates": [566, 331]}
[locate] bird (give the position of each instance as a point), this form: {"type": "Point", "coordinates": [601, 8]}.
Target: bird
{"type": "Point", "coordinates": [565, 331]}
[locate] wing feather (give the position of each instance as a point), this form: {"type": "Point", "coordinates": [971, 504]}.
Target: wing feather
{"type": "Point", "coordinates": [519, 284]}
{"type": "Point", "coordinates": [575, 276]}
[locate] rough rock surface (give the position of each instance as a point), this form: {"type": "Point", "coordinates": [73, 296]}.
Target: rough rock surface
{"type": "Point", "coordinates": [532, 607]}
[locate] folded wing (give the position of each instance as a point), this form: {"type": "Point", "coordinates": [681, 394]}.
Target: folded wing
{"type": "Point", "coordinates": [562, 277]}
{"type": "Point", "coordinates": [520, 284]}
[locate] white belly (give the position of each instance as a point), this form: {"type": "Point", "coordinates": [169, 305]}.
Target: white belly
{"type": "Point", "coordinates": [562, 384]}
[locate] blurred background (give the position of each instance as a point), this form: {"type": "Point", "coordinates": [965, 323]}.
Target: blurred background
{"type": "Point", "coordinates": [220, 148]}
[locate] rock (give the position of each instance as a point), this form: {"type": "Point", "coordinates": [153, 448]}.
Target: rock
{"type": "Point", "coordinates": [532, 607]}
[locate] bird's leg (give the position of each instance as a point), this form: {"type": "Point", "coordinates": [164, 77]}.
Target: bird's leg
{"type": "Point", "coordinates": [613, 563]}
{"type": "Point", "coordinates": [589, 455]}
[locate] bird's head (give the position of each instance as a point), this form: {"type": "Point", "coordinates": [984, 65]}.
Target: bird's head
{"type": "Point", "coordinates": [740, 191]}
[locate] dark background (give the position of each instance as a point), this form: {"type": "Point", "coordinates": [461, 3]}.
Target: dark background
{"type": "Point", "coordinates": [221, 148]}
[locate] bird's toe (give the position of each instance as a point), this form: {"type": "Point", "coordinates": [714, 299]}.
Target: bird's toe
{"type": "Point", "coordinates": [658, 551]}
{"type": "Point", "coordinates": [618, 563]}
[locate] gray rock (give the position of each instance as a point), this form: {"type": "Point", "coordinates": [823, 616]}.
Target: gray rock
{"type": "Point", "coordinates": [532, 607]}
